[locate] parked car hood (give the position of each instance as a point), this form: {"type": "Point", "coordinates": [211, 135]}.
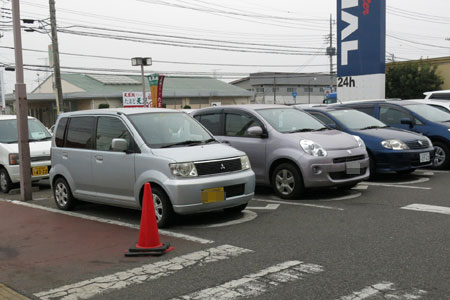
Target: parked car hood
{"type": "Point", "coordinates": [390, 134]}
{"type": "Point", "coordinates": [36, 148]}
{"type": "Point", "coordinates": [198, 153]}
{"type": "Point", "coordinates": [330, 139]}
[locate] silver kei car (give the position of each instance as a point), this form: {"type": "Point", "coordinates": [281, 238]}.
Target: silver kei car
{"type": "Point", "coordinates": [108, 155]}
{"type": "Point", "coordinates": [289, 149]}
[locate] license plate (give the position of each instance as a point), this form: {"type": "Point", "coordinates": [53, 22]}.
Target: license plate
{"type": "Point", "coordinates": [39, 171]}
{"type": "Point", "coordinates": [353, 168]}
{"type": "Point", "coordinates": [424, 157]}
{"type": "Point", "coordinates": [213, 195]}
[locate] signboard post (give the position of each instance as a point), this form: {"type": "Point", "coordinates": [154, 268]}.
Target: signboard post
{"type": "Point", "coordinates": [361, 34]}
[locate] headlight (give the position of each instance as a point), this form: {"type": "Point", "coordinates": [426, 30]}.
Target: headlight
{"type": "Point", "coordinates": [13, 159]}
{"type": "Point", "coordinates": [394, 145]}
{"type": "Point", "coordinates": [184, 169]}
{"type": "Point", "coordinates": [245, 163]}
{"type": "Point", "coordinates": [360, 142]}
{"type": "Point", "coordinates": [312, 148]}
{"type": "Point", "coordinates": [449, 129]}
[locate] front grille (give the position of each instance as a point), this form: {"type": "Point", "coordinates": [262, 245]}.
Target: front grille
{"type": "Point", "coordinates": [234, 190]}
{"type": "Point", "coordinates": [344, 175]}
{"type": "Point", "coordinates": [419, 144]}
{"type": "Point", "coordinates": [348, 159]}
{"type": "Point", "coordinates": [219, 166]}
{"type": "Point", "coordinates": [39, 158]}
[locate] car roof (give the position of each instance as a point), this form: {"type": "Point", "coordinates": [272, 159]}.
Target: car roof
{"type": "Point", "coordinates": [437, 92]}
{"type": "Point", "coordinates": [390, 101]}
{"type": "Point", "coordinates": [120, 110]}
{"type": "Point", "coordinates": [247, 107]}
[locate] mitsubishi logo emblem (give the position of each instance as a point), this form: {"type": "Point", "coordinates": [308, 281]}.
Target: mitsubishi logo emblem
{"type": "Point", "coordinates": [222, 167]}
{"type": "Point", "coordinates": [349, 151]}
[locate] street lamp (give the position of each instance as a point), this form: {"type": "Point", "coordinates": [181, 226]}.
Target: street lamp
{"type": "Point", "coordinates": [142, 61]}
{"type": "Point", "coordinates": [309, 89]}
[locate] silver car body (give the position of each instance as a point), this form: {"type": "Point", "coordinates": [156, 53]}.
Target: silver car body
{"type": "Point", "coordinates": [266, 153]}
{"type": "Point", "coordinates": [117, 178]}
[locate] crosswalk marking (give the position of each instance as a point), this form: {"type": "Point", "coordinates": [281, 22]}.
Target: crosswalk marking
{"type": "Point", "coordinates": [388, 290]}
{"type": "Point", "coordinates": [90, 288]}
{"type": "Point", "coordinates": [258, 283]}
{"type": "Point", "coordinates": [428, 208]}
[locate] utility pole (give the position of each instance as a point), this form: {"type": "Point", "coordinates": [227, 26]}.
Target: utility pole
{"type": "Point", "coordinates": [56, 67]}
{"type": "Point", "coordinates": [21, 109]}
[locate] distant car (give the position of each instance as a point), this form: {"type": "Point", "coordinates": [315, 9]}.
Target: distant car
{"type": "Point", "coordinates": [39, 142]}
{"type": "Point", "coordinates": [438, 95]}
{"type": "Point", "coordinates": [443, 105]}
{"type": "Point", "coordinates": [418, 117]}
{"type": "Point", "coordinates": [108, 155]}
{"type": "Point", "coordinates": [390, 149]}
{"type": "Point", "coordinates": [289, 149]}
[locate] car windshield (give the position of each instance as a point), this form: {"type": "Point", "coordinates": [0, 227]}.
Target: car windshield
{"type": "Point", "coordinates": [356, 120]}
{"type": "Point", "coordinates": [36, 131]}
{"type": "Point", "coordinates": [170, 129]}
{"type": "Point", "coordinates": [290, 120]}
{"type": "Point", "coordinates": [430, 113]}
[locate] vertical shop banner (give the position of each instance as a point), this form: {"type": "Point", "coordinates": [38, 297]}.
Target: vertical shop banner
{"type": "Point", "coordinates": [361, 33]}
{"type": "Point", "coordinates": [160, 90]}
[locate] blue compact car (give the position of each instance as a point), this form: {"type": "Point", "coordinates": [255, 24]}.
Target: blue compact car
{"type": "Point", "coordinates": [390, 149]}
{"type": "Point", "coordinates": [418, 117]}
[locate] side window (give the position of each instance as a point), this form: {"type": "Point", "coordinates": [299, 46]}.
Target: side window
{"type": "Point", "coordinates": [365, 109]}
{"type": "Point", "coordinates": [324, 119]}
{"type": "Point", "coordinates": [237, 125]}
{"type": "Point", "coordinates": [391, 115]}
{"type": "Point", "coordinates": [59, 134]}
{"type": "Point", "coordinates": [211, 122]}
{"type": "Point", "coordinates": [109, 128]}
{"type": "Point", "coordinates": [80, 133]}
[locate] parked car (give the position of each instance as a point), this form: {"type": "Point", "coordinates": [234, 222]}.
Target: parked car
{"type": "Point", "coordinates": [443, 105]}
{"type": "Point", "coordinates": [39, 143]}
{"type": "Point", "coordinates": [107, 156]}
{"type": "Point", "coordinates": [289, 149]}
{"type": "Point", "coordinates": [410, 115]}
{"type": "Point", "coordinates": [438, 95]}
{"type": "Point", "coordinates": [390, 149]}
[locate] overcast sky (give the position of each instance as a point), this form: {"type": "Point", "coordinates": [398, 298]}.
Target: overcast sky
{"type": "Point", "coordinates": [182, 36]}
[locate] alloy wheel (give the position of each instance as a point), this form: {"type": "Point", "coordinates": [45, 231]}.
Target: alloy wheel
{"type": "Point", "coordinates": [439, 156]}
{"type": "Point", "coordinates": [61, 194]}
{"type": "Point", "coordinates": [159, 210]}
{"type": "Point", "coordinates": [285, 182]}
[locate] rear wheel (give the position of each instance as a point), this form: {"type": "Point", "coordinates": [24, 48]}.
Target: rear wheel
{"type": "Point", "coordinates": [441, 156]}
{"type": "Point", "coordinates": [63, 195]}
{"type": "Point", "coordinates": [5, 181]}
{"type": "Point", "coordinates": [287, 182]}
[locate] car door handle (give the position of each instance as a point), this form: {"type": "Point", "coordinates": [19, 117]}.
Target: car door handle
{"type": "Point", "coordinates": [99, 158]}
{"type": "Point", "coordinates": [65, 155]}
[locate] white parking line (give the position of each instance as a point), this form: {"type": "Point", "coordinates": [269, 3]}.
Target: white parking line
{"type": "Point", "coordinates": [102, 220]}
{"type": "Point", "coordinates": [426, 173]}
{"type": "Point", "coordinates": [247, 216]}
{"type": "Point", "coordinates": [267, 207]}
{"type": "Point", "coordinates": [253, 285]}
{"type": "Point", "coordinates": [360, 187]}
{"type": "Point", "coordinates": [436, 171]}
{"type": "Point", "coordinates": [388, 291]}
{"type": "Point", "coordinates": [298, 204]}
{"type": "Point", "coordinates": [397, 186]}
{"type": "Point", "coordinates": [90, 288]}
{"type": "Point", "coordinates": [428, 208]}
{"type": "Point", "coordinates": [420, 180]}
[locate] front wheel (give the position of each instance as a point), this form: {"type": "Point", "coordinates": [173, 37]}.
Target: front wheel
{"type": "Point", "coordinates": [5, 181]}
{"type": "Point", "coordinates": [287, 181]}
{"type": "Point", "coordinates": [441, 156]}
{"type": "Point", "coordinates": [163, 208]}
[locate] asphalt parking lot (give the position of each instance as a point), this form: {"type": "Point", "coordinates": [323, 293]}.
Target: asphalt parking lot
{"type": "Point", "coordinates": [387, 238]}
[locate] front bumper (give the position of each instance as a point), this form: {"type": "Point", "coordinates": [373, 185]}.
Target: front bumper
{"type": "Point", "coordinates": [338, 168]}
{"type": "Point", "coordinates": [403, 160]}
{"type": "Point", "coordinates": [14, 171]}
{"type": "Point", "coordinates": [186, 193]}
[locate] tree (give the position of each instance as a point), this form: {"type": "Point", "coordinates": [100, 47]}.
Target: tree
{"type": "Point", "coordinates": [103, 105]}
{"type": "Point", "coordinates": [410, 80]}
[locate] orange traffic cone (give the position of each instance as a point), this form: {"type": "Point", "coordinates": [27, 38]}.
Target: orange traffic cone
{"type": "Point", "coordinates": [148, 243]}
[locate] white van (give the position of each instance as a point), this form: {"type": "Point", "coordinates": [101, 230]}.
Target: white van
{"type": "Point", "coordinates": [39, 141]}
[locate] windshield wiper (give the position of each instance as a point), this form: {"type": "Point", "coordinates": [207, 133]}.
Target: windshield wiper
{"type": "Point", "coordinates": [189, 142]}
{"type": "Point", "coordinates": [38, 140]}
{"type": "Point", "coordinates": [322, 129]}
{"type": "Point", "coordinates": [301, 130]}
{"type": "Point", "coordinates": [445, 121]}
{"type": "Point", "coordinates": [373, 127]}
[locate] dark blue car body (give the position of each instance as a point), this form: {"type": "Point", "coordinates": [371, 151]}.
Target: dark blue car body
{"type": "Point", "coordinates": [383, 159]}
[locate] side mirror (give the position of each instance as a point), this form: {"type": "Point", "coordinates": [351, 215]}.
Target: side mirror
{"type": "Point", "coordinates": [255, 131]}
{"type": "Point", "coordinates": [119, 145]}
{"type": "Point", "coordinates": [332, 125]}
{"type": "Point", "coordinates": [406, 121]}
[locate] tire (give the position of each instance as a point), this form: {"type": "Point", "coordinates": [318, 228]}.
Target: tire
{"type": "Point", "coordinates": [63, 195]}
{"type": "Point", "coordinates": [236, 209]}
{"type": "Point", "coordinates": [163, 208]}
{"type": "Point", "coordinates": [441, 156]}
{"type": "Point", "coordinates": [406, 172]}
{"type": "Point", "coordinates": [287, 182]}
{"type": "Point", "coordinates": [5, 181]}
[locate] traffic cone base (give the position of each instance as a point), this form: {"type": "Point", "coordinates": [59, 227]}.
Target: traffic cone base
{"type": "Point", "coordinates": [157, 251]}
